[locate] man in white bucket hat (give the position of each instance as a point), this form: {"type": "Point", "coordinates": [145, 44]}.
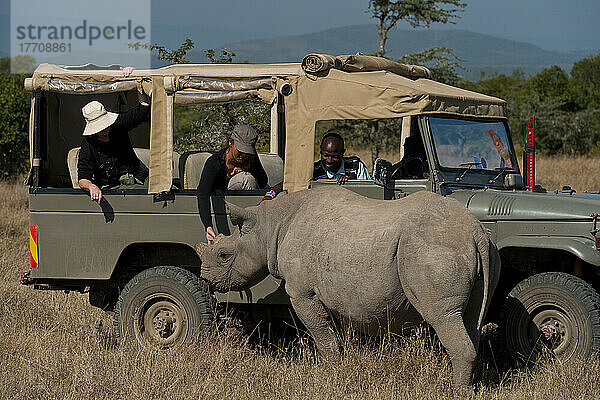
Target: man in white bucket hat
{"type": "Point", "coordinates": [106, 157]}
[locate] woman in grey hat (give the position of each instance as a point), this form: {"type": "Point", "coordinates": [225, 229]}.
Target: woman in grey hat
{"type": "Point", "coordinates": [235, 167]}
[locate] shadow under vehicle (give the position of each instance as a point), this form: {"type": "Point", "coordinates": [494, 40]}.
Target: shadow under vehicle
{"type": "Point", "coordinates": [134, 253]}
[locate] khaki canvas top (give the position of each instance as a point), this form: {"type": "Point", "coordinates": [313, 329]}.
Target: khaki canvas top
{"type": "Point", "coordinates": [342, 87]}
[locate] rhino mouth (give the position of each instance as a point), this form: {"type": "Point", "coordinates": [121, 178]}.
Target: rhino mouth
{"type": "Point", "coordinates": [208, 284]}
{"type": "Point", "coordinates": [216, 286]}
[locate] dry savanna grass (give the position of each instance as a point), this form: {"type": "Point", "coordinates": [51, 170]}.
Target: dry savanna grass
{"type": "Point", "coordinates": [578, 172]}
{"type": "Point", "coordinates": [56, 346]}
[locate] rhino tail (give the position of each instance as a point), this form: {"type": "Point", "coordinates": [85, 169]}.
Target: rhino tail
{"type": "Point", "coordinates": [482, 245]}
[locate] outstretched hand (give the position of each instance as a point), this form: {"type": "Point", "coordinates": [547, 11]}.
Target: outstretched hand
{"type": "Point", "coordinates": [235, 171]}
{"type": "Point", "coordinates": [95, 193]}
{"type": "Point", "coordinates": [210, 235]}
{"type": "Point", "coordinates": [143, 97]}
{"type": "Point", "coordinates": [127, 71]}
{"type": "Point", "coordinates": [342, 179]}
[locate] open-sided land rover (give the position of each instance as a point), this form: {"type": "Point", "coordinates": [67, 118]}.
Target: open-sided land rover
{"type": "Point", "coordinates": [134, 252]}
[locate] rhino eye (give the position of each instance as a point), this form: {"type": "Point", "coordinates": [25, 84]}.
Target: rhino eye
{"type": "Point", "coordinates": [225, 256]}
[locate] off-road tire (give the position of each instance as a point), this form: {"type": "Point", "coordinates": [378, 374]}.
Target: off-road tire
{"type": "Point", "coordinates": [551, 310]}
{"type": "Point", "coordinates": [163, 307]}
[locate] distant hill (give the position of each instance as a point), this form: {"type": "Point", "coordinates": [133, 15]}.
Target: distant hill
{"type": "Point", "coordinates": [481, 52]}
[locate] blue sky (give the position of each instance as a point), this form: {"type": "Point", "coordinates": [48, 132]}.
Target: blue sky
{"type": "Point", "coordinates": [550, 24]}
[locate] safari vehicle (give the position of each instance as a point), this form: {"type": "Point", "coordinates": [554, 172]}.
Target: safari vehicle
{"type": "Point", "coordinates": [134, 253]}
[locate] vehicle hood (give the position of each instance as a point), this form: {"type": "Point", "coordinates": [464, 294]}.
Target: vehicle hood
{"type": "Point", "coordinates": [523, 205]}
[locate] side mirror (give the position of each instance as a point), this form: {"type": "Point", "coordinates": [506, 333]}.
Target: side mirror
{"type": "Point", "coordinates": [381, 172]}
{"type": "Point", "coordinates": [513, 181]}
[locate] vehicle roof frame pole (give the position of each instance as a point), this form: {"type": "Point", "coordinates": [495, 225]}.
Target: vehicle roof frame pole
{"type": "Point", "coordinates": [274, 140]}
{"type": "Point", "coordinates": [161, 139]}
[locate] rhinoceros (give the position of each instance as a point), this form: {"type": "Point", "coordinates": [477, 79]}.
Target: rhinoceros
{"type": "Point", "coordinates": [367, 261]}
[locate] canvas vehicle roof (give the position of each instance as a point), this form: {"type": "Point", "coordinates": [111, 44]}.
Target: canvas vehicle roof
{"type": "Point", "coordinates": [347, 87]}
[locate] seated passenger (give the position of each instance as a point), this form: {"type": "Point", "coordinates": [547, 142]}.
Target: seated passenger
{"type": "Point", "coordinates": [236, 167]}
{"type": "Point", "coordinates": [106, 157]}
{"type": "Point", "coordinates": [334, 166]}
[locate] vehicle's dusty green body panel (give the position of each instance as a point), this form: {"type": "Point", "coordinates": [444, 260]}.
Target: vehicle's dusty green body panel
{"type": "Point", "coordinates": [80, 242]}
{"type": "Point", "coordinates": [537, 220]}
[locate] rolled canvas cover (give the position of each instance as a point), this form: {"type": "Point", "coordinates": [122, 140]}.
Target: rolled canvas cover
{"type": "Point", "coordinates": [356, 63]}
{"type": "Point", "coordinates": [314, 63]}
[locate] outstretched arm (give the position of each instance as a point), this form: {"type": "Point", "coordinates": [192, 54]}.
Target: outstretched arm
{"type": "Point", "coordinates": [95, 192]}
{"type": "Point", "coordinates": [275, 190]}
{"type": "Point", "coordinates": [205, 187]}
{"type": "Point", "coordinates": [137, 115]}
{"type": "Point", "coordinates": [85, 172]}
{"type": "Point", "coordinates": [143, 98]}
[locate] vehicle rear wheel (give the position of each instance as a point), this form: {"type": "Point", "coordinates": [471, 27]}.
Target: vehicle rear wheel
{"type": "Point", "coordinates": [552, 310]}
{"type": "Point", "coordinates": [163, 307]}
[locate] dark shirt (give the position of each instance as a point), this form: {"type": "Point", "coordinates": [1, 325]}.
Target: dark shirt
{"type": "Point", "coordinates": [104, 162]}
{"type": "Point", "coordinates": [214, 177]}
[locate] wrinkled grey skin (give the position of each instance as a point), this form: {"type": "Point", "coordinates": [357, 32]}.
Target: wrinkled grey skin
{"type": "Point", "coordinates": [374, 263]}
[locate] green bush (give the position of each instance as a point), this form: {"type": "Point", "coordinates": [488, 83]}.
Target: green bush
{"type": "Point", "coordinates": [566, 108]}
{"type": "Point", "coordinates": [14, 120]}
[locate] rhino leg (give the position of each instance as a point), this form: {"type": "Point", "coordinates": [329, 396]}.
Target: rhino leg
{"type": "Point", "coordinates": [445, 315]}
{"type": "Point", "coordinates": [314, 316]}
{"type": "Point", "coordinates": [457, 342]}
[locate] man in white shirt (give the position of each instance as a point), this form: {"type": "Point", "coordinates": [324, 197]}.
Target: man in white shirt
{"type": "Point", "coordinates": [333, 164]}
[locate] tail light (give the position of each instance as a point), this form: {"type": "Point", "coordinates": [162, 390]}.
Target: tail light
{"type": "Point", "coordinates": [33, 246]}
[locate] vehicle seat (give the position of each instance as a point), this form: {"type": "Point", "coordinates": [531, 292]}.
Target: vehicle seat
{"type": "Point", "coordinates": [141, 153]}
{"type": "Point", "coordinates": [192, 163]}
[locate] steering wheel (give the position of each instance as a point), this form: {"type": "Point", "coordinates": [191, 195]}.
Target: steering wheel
{"type": "Point", "coordinates": [411, 167]}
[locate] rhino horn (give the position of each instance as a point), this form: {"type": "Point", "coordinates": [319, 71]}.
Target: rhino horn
{"type": "Point", "coordinates": [201, 248]}
{"type": "Point", "coordinates": [242, 217]}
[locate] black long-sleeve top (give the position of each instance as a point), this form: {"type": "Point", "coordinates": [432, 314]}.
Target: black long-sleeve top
{"type": "Point", "coordinates": [104, 162]}
{"type": "Point", "coordinates": [214, 177]}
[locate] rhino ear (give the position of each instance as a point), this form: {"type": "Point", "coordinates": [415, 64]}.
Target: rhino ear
{"type": "Point", "coordinates": [242, 217]}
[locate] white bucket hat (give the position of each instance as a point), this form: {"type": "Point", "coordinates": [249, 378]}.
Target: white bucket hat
{"type": "Point", "coordinates": [97, 118]}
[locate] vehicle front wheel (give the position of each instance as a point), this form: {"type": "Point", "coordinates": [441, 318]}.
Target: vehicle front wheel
{"type": "Point", "coordinates": [163, 307]}
{"type": "Point", "coordinates": [551, 310]}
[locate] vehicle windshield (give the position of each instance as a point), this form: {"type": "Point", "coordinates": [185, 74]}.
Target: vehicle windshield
{"type": "Point", "coordinates": [477, 144]}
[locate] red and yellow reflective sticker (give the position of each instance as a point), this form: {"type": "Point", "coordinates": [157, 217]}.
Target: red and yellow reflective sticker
{"type": "Point", "coordinates": [33, 246]}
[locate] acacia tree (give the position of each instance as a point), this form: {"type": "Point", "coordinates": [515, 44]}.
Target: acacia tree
{"type": "Point", "coordinates": [418, 13]}
{"type": "Point", "coordinates": [446, 64]}
{"type": "Point", "coordinates": [385, 134]}
{"type": "Point", "coordinates": [164, 53]}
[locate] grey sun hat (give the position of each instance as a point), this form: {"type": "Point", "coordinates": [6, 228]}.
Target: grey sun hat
{"type": "Point", "coordinates": [96, 118]}
{"type": "Point", "coordinates": [244, 137]}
